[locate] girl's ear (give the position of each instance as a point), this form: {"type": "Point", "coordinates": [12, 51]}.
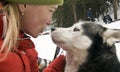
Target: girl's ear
{"type": "Point", "coordinates": [21, 8]}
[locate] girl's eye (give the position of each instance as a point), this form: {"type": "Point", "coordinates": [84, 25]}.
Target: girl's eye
{"type": "Point", "coordinates": [51, 11]}
{"type": "Point", "coordinates": [76, 29]}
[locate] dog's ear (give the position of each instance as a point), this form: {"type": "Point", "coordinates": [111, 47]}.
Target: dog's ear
{"type": "Point", "coordinates": [111, 36]}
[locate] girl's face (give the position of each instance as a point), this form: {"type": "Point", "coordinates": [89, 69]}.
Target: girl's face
{"type": "Point", "coordinates": [36, 17]}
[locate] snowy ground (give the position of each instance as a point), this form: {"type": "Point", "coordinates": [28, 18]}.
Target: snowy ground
{"type": "Point", "coordinates": [45, 47]}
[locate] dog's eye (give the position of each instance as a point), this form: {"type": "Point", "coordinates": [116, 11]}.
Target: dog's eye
{"type": "Point", "coordinates": [76, 29]}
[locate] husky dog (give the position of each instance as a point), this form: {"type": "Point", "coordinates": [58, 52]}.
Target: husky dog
{"type": "Point", "coordinates": [89, 47]}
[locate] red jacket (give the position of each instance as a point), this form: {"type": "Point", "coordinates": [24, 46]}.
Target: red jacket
{"type": "Point", "coordinates": [57, 65]}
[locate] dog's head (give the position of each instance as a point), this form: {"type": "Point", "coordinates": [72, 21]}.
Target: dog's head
{"type": "Point", "coordinates": [84, 36]}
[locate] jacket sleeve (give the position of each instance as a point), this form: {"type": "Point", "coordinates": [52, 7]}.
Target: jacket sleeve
{"type": "Point", "coordinates": [57, 65]}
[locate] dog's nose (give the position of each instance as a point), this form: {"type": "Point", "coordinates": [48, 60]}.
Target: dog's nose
{"type": "Point", "coordinates": [53, 29]}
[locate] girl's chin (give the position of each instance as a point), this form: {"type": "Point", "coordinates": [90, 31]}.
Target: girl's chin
{"type": "Point", "coordinates": [35, 35]}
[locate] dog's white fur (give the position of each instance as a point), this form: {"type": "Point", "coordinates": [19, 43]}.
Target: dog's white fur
{"type": "Point", "coordinates": [76, 44]}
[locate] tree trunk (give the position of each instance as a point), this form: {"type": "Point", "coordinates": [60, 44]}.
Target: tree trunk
{"type": "Point", "coordinates": [115, 9]}
{"type": "Point", "coordinates": [84, 9]}
{"type": "Point", "coordinates": [74, 10]}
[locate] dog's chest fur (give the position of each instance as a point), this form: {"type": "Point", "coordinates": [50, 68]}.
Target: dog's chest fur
{"type": "Point", "coordinates": [74, 60]}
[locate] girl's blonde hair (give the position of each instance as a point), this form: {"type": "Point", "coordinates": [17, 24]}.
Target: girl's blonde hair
{"type": "Point", "coordinates": [11, 28]}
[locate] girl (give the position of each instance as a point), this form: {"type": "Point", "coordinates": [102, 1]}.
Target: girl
{"type": "Point", "coordinates": [21, 17]}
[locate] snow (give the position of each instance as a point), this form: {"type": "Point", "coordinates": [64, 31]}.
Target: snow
{"type": "Point", "coordinates": [118, 50]}
{"type": "Point", "coordinates": [45, 47]}
{"type": "Point", "coordinates": [113, 25]}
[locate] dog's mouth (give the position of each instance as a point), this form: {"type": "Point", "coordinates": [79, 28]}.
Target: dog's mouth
{"type": "Point", "coordinates": [57, 41]}
{"type": "Point", "coordinates": [56, 37]}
